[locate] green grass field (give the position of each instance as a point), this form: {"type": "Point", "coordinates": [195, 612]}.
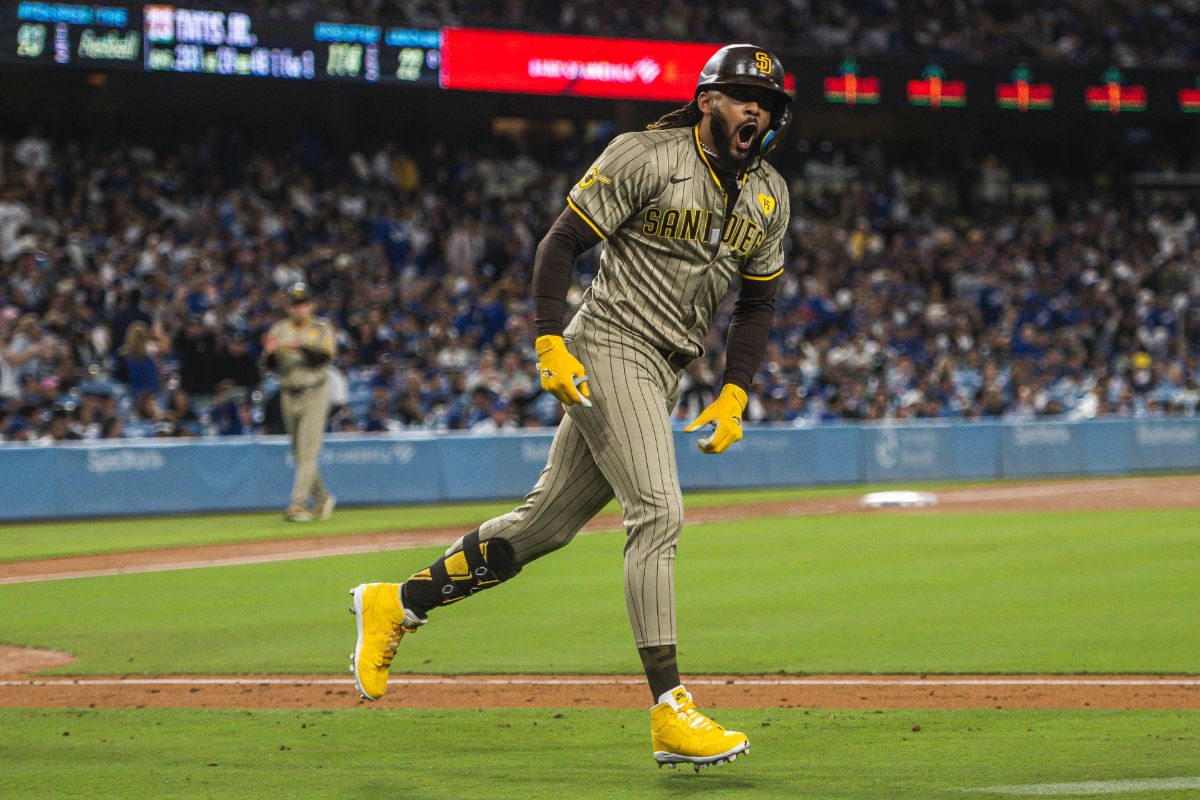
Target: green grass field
{"type": "Point", "coordinates": [83, 537]}
{"type": "Point", "coordinates": [26, 540]}
{"type": "Point", "coordinates": [1085, 592]}
{"type": "Point", "coordinates": [536, 753]}
{"type": "Point", "coordinates": [944, 593]}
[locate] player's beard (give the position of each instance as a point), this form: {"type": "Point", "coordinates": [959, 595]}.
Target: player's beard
{"type": "Point", "coordinates": [722, 136]}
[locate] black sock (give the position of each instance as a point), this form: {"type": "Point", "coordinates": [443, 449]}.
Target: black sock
{"type": "Point", "coordinates": [662, 668]}
{"type": "Point", "coordinates": [417, 605]}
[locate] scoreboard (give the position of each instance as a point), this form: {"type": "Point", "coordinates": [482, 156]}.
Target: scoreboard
{"type": "Point", "coordinates": [190, 39]}
{"type": "Point", "coordinates": [182, 39]}
{"type": "Point", "coordinates": [50, 33]}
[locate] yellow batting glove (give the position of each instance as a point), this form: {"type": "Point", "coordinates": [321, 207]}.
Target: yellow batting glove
{"type": "Point", "coordinates": [562, 374]}
{"type": "Point", "coordinates": [726, 414]}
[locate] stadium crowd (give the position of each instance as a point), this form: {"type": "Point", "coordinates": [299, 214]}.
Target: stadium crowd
{"type": "Point", "coordinates": [1126, 32]}
{"type": "Point", "coordinates": [136, 284]}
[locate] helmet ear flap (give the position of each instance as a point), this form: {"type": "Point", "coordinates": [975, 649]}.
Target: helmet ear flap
{"type": "Point", "coordinates": [776, 132]}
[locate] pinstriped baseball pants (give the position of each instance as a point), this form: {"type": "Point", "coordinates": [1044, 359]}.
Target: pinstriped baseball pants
{"type": "Point", "coordinates": [621, 447]}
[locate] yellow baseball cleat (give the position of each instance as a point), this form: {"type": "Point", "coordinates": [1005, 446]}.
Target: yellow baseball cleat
{"type": "Point", "coordinates": [682, 735]}
{"type": "Point", "coordinates": [382, 622]}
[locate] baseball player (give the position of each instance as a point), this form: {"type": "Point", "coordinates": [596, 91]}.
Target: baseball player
{"type": "Point", "coordinates": [298, 349]}
{"type": "Point", "coordinates": [682, 208]}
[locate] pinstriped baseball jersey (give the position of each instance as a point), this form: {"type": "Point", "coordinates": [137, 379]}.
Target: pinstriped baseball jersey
{"type": "Point", "coordinates": [671, 249]}
{"type": "Point", "coordinates": [290, 363]}
{"type": "Point", "coordinates": [670, 252]}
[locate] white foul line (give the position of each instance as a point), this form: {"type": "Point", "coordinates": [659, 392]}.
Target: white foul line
{"type": "Point", "coordinates": [1094, 787]}
{"type": "Point", "coordinates": [235, 561]}
{"type": "Point", "coordinates": [611, 680]}
{"type": "Point", "coordinates": [224, 561]}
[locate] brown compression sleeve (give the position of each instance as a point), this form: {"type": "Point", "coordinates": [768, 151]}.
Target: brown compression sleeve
{"type": "Point", "coordinates": [749, 331]}
{"type": "Point", "coordinates": [569, 238]}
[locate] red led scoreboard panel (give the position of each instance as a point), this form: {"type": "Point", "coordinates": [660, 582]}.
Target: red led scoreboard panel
{"type": "Point", "coordinates": [586, 66]}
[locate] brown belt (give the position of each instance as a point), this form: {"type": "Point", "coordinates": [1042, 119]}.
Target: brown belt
{"type": "Point", "coordinates": [676, 359]}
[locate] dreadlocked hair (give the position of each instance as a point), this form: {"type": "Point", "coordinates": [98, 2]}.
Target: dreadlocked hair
{"type": "Point", "coordinates": [682, 117]}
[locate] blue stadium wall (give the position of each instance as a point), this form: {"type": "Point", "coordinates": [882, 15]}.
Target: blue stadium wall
{"type": "Point", "coordinates": [169, 477]}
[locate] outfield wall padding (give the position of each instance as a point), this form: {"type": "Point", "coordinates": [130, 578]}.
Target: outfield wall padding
{"type": "Point", "coordinates": [182, 476]}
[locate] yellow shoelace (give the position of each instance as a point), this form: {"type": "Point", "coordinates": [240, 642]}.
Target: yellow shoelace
{"type": "Point", "coordinates": [397, 633]}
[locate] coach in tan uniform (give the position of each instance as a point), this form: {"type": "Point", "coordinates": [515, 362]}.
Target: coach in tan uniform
{"type": "Point", "coordinates": [682, 208]}
{"type": "Point", "coordinates": [298, 349]}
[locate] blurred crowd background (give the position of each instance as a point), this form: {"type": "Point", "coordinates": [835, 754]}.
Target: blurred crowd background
{"type": "Point", "coordinates": [136, 283]}
{"type": "Point", "coordinates": [940, 264]}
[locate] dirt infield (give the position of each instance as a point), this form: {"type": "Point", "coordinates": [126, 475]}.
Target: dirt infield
{"type": "Point", "coordinates": [1121, 692]}
{"type": "Point", "coordinates": [1075, 495]}
{"type": "Point", "coordinates": [27, 660]}
{"type": "Point", "coordinates": [20, 688]}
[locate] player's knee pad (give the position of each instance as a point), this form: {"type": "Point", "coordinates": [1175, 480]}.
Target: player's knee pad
{"type": "Point", "coordinates": [462, 573]}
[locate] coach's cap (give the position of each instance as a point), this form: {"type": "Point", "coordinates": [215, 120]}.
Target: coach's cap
{"type": "Point", "coordinates": [299, 292]}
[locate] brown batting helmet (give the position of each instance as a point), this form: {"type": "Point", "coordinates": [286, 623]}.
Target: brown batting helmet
{"type": "Point", "coordinates": [751, 65]}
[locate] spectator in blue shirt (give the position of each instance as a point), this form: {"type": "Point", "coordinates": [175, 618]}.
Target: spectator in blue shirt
{"type": "Point", "coordinates": [137, 365]}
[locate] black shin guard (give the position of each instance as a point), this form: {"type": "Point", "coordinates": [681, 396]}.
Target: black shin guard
{"type": "Point", "coordinates": [477, 566]}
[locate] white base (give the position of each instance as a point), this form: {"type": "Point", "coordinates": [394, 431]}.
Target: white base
{"type": "Point", "coordinates": [898, 499]}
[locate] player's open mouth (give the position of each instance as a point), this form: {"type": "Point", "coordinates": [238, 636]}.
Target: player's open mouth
{"type": "Point", "coordinates": [745, 135]}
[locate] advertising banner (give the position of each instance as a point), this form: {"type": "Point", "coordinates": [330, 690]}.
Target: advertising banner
{"type": "Point", "coordinates": [582, 66]}
{"type": "Point", "coordinates": [128, 478]}
{"type": "Point", "coordinates": [249, 42]}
